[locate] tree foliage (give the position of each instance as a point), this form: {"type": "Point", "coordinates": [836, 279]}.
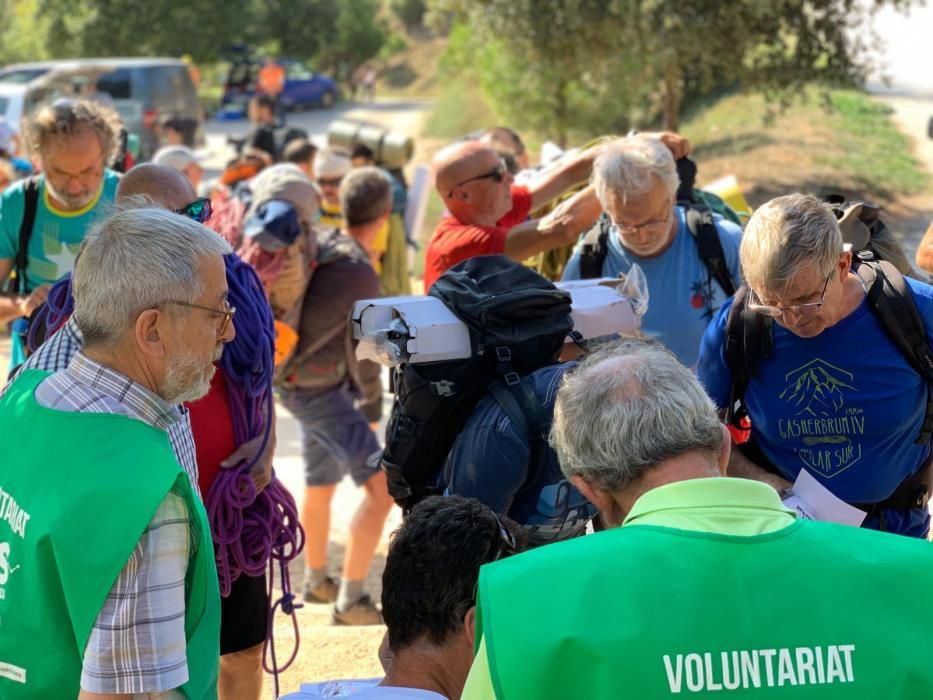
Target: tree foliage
{"type": "Point", "coordinates": [605, 63]}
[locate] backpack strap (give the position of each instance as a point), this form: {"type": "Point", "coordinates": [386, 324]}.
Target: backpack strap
{"type": "Point", "coordinates": [595, 248]}
{"type": "Point", "coordinates": [30, 206]}
{"type": "Point", "coordinates": [702, 227]}
{"type": "Point", "coordinates": [747, 344]}
{"type": "Point", "coordinates": [893, 304]}
{"type": "Point", "coordinates": [520, 403]}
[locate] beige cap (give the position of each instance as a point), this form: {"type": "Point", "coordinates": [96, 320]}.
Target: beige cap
{"type": "Point", "coordinates": [286, 181]}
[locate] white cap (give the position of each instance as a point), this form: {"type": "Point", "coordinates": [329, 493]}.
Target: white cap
{"type": "Point", "coordinates": [176, 157]}
{"type": "Point", "coordinates": [330, 165]}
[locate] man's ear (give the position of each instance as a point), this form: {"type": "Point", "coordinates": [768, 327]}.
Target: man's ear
{"type": "Point", "coordinates": [149, 332]}
{"type": "Point", "coordinates": [469, 625]}
{"type": "Point", "coordinates": [725, 450]}
{"type": "Point", "coordinates": [603, 500]}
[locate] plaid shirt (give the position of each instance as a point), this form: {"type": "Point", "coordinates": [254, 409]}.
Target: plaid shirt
{"type": "Point", "coordinates": [55, 354]}
{"type": "Point", "coordinates": [137, 644]}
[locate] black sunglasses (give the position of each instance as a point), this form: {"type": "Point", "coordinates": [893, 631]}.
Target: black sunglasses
{"type": "Point", "coordinates": [199, 210]}
{"type": "Point", "coordinates": [498, 174]}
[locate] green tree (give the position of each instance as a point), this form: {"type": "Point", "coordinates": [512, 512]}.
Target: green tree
{"type": "Point", "coordinates": [409, 12]}
{"type": "Point", "coordinates": [608, 62]}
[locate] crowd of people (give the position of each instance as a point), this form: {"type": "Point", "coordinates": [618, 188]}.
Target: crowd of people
{"type": "Point", "coordinates": [631, 517]}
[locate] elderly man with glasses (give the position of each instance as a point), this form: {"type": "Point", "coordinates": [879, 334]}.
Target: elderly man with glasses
{"type": "Point", "coordinates": [115, 544]}
{"type": "Point", "coordinates": [636, 181]}
{"type": "Point", "coordinates": [488, 212]}
{"type": "Point", "coordinates": [44, 219]}
{"type": "Point", "coordinates": [833, 395]}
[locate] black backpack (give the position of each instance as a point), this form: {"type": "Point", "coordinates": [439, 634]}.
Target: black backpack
{"type": "Point", "coordinates": [700, 224]}
{"type": "Point", "coordinates": [748, 334]}
{"type": "Point", "coordinates": [517, 322]}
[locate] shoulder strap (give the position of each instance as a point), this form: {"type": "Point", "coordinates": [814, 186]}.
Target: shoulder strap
{"type": "Point", "coordinates": [595, 248]}
{"type": "Point", "coordinates": [30, 206]}
{"type": "Point", "coordinates": [522, 406]}
{"type": "Point", "coordinates": [702, 227]}
{"type": "Point", "coordinates": [747, 343]}
{"type": "Point", "coordinates": [893, 304]}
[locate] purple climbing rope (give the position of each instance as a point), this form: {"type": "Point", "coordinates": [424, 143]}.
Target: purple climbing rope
{"type": "Point", "coordinates": [52, 315]}
{"type": "Point", "coordinates": [250, 531]}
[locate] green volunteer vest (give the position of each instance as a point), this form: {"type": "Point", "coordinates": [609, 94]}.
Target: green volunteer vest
{"type": "Point", "coordinates": [810, 611]}
{"type": "Point", "coordinates": [76, 493]}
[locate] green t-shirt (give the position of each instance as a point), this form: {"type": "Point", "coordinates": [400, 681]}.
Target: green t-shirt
{"type": "Point", "coordinates": [56, 235]}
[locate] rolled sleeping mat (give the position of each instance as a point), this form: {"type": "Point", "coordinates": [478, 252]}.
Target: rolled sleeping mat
{"type": "Point", "coordinates": [391, 149]}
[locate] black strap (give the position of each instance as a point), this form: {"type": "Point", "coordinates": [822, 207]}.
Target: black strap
{"type": "Point", "coordinates": [893, 305]}
{"type": "Point", "coordinates": [747, 345]}
{"type": "Point", "coordinates": [595, 248]}
{"type": "Point", "coordinates": [30, 206]}
{"type": "Point", "coordinates": [522, 406]}
{"type": "Point", "coordinates": [702, 227]}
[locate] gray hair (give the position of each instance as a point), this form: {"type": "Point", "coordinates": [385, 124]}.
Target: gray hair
{"type": "Point", "coordinates": [626, 409]}
{"type": "Point", "coordinates": [65, 118]}
{"type": "Point", "coordinates": [134, 260]}
{"type": "Point", "coordinates": [785, 235]}
{"type": "Point", "coordinates": [365, 195]}
{"type": "Point", "coordinates": [628, 166]}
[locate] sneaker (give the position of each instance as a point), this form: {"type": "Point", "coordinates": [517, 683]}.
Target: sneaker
{"type": "Point", "coordinates": [324, 592]}
{"type": "Point", "coordinates": [362, 612]}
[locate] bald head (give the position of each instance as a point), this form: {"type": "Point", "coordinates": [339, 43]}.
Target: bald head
{"type": "Point", "coordinates": [165, 186]}
{"type": "Point", "coordinates": [461, 161]}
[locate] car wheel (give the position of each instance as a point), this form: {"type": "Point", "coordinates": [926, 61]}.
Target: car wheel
{"type": "Point", "coordinates": [328, 99]}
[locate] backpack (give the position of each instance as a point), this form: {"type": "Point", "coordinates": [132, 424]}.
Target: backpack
{"type": "Point", "coordinates": [863, 229]}
{"type": "Point", "coordinates": [518, 322]}
{"type": "Point", "coordinates": [748, 334]}
{"type": "Point", "coordinates": [699, 208]}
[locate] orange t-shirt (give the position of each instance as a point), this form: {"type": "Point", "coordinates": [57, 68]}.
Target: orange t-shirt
{"type": "Point", "coordinates": [271, 79]}
{"type": "Point", "coordinates": [453, 241]}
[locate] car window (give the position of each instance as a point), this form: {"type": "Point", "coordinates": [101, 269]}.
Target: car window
{"type": "Point", "coordinates": [169, 83]}
{"type": "Point", "coordinates": [297, 71]}
{"type": "Point", "coordinates": [117, 84]}
{"type": "Point", "coordinates": [4, 103]}
{"type": "Point", "coordinates": [21, 75]}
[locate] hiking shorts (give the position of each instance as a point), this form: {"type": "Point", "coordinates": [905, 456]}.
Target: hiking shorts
{"type": "Point", "coordinates": [335, 437]}
{"type": "Point", "coordinates": [244, 615]}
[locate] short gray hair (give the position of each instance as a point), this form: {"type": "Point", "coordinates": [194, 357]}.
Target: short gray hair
{"type": "Point", "coordinates": [365, 195]}
{"type": "Point", "coordinates": [134, 260]}
{"type": "Point", "coordinates": [785, 235]}
{"type": "Point", "coordinates": [626, 409]}
{"type": "Point", "coordinates": [628, 166]}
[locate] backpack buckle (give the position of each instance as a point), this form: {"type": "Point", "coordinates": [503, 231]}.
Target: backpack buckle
{"type": "Point", "coordinates": [512, 379]}
{"type": "Point", "coordinates": [444, 388]}
{"type": "Point", "coordinates": [503, 354]}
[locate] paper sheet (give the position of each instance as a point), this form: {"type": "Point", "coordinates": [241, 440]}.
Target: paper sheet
{"type": "Point", "coordinates": [814, 501]}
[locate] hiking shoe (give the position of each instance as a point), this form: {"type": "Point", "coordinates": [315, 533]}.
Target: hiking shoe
{"type": "Point", "coordinates": [324, 592]}
{"type": "Point", "coordinates": [362, 612]}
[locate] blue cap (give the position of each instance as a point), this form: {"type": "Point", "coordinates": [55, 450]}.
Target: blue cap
{"type": "Point", "coordinates": [274, 225]}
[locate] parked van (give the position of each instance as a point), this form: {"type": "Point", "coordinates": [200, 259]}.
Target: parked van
{"type": "Point", "coordinates": [142, 90]}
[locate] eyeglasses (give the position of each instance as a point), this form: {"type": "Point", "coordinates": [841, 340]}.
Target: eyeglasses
{"type": "Point", "coordinates": [227, 312]}
{"type": "Point", "coordinates": [648, 225]}
{"type": "Point", "coordinates": [199, 210]}
{"type": "Point", "coordinates": [799, 310]}
{"type": "Point", "coordinates": [498, 174]}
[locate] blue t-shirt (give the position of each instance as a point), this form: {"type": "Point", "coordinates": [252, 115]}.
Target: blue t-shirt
{"type": "Point", "coordinates": [682, 295]}
{"type": "Point", "coordinates": [491, 461]}
{"type": "Point", "coordinates": [56, 235]}
{"type": "Point", "coordinates": [844, 405]}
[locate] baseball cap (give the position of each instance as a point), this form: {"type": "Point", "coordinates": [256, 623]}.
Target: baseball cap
{"type": "Point", "coordinates": [331, 165]}
{"type": "Point", "coordinates": [176, 157]}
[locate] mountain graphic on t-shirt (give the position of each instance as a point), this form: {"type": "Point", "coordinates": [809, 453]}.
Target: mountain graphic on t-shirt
{"type": "Point", "coordinates": [817, 388]}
